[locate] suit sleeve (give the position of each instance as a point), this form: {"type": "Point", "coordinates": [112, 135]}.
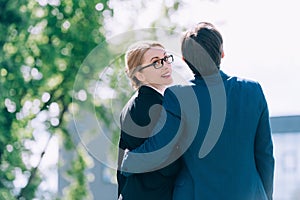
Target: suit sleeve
{"type": "Point", "coordinates": [264, 151]}
{"type": "Point", "coordinates": [121, 179]}
{"type": "Point", "coordinates": [154, 152]}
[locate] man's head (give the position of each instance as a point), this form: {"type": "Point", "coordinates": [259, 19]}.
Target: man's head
{"type": "Point", "coordinates": [202, 49]}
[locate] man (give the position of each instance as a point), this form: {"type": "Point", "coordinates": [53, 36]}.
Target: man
{"type": "Point", "coordinates": [221, 124]}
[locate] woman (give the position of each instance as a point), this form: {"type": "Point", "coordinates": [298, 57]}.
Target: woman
{"type": "Point", "coordinates": [149, 68]}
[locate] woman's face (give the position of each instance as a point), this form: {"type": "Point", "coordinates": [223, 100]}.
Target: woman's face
{"type": "Point", "coordinates": [158, 78]}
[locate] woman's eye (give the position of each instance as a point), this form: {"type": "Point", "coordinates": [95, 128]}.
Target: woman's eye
{"type": "Point", "coordinates": [156, 63]}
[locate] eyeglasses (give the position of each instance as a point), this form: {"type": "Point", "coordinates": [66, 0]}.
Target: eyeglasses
{"type": "Point", "coordinates": [160, 63]}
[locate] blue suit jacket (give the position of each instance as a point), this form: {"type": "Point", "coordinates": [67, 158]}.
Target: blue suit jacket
{"type": "Point", "coordinates": [221, 124]}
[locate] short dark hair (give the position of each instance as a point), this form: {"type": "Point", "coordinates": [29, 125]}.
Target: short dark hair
{"type": "Point", "coordinates": [202, 48]}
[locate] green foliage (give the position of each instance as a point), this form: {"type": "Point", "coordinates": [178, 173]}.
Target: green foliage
{"type": "Point", "coordinates": [77, 190]}
{"type": "Point", "coordinates": [42, 48]}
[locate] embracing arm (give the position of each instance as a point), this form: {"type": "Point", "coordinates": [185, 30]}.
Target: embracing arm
{"type": "Point", "coordinates": [156, 151]}
{"type": "Point", "coordinates": [153, 153]}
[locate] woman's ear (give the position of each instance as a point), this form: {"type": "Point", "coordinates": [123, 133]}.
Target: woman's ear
{"type": "Point", "coordinates": [140, 76]}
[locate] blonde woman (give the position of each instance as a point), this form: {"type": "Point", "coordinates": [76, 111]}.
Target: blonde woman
{"type": "Point", "coordinates": [148, 66]}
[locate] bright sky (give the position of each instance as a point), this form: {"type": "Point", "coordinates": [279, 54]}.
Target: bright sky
{"type": "Point", "coordinates": [261, 40]}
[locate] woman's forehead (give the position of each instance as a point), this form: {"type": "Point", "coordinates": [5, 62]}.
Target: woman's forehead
{"type": "Point", "coordinates": [154, 52]}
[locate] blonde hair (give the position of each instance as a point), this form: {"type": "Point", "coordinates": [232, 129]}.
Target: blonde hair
{"type": "Point", "coordinates": [134, 58]}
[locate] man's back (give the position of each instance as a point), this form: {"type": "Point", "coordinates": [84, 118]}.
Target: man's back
{"type": "Point", "coordinates": [225, 138]}
{"type": "Point", "coordinates": [240, 164]}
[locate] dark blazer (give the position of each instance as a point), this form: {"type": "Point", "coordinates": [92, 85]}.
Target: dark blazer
{"type": "Point", "coordinates": [228, 148]}
{"type": "Point", "coordinates": [137, 120]}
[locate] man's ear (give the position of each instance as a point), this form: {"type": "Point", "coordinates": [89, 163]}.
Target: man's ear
{"type": "Point", "coordinates": [140, 76]}
{"type": "Point", "coordinates": [222, 55]}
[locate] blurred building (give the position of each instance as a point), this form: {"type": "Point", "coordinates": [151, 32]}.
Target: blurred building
{"type": "Point", "coordinates": [286, 138]}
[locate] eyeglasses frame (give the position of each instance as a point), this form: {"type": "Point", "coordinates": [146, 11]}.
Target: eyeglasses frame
{"type": "Point", "coordinates": [162, 60]}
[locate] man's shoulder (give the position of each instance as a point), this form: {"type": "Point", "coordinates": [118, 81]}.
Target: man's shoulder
{"type": "Point", "coordinates": [245, 87]}
{"type": "Point", "coordinates": [244, 82]}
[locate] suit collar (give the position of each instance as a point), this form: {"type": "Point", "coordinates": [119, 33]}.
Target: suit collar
{"type": "Point", "coordinates": [211, 79]}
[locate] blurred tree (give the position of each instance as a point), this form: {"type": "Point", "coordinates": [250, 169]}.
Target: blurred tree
{"type": "Point", "coordinates": [43, 44]}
